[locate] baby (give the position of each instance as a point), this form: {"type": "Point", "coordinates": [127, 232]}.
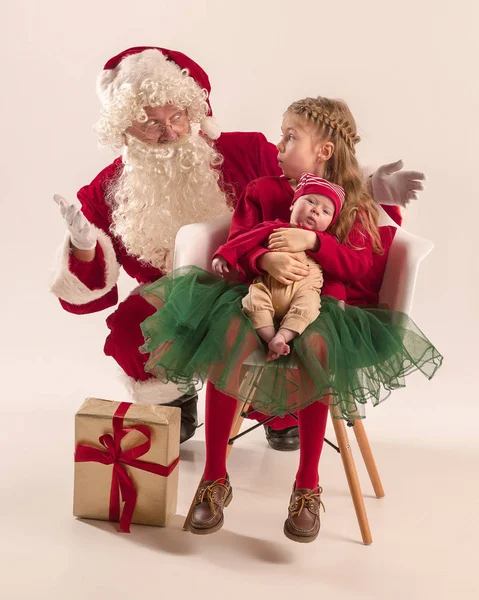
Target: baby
{"type": "Point", "coordinates": [316, 205]}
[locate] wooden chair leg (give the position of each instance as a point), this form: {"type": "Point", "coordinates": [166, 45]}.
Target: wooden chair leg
{"type": "Point", "coordinates": [238, 421]}
{"type": "Point", "coordinates": [351, 476]}
{"type": "Point", "coordinates": [245, 391]}
{"type": "Point", "coordinates": [368, 457]}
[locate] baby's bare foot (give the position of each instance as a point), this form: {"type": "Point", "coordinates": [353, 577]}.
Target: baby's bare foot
{"type": "Point", "coordinates": [277, 347]}
{"type": "Point", "coordinates": [270, 355]}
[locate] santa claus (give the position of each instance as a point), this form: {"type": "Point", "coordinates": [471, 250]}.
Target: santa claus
{"type": "Point", "coordinates": [174, 169]}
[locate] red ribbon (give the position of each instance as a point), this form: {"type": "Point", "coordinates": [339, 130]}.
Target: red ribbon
{"type": "Point", "coordinates": [114, 455]}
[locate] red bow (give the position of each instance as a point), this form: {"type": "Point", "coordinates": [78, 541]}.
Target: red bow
{"type": "Point", "coordinates": [117, 457]}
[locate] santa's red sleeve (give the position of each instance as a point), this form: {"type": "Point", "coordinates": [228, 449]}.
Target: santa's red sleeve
{"type": "Point", "coordinates": [246, 157]}
{"type": "Point", "coordinates": [394, 212]}
{"type": "Point", "coordinates": [349, 261]}
{"type": "Point", "coordinates": [86, 287]}
{"type": "Point", "coordinates": [268, 158]}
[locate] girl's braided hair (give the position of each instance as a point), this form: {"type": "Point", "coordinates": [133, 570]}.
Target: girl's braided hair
{"type": "Point", "coordinates": [333, 121]}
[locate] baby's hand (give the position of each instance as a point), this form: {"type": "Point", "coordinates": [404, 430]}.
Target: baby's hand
{"type": "Point", "coordinates": [220, 266]}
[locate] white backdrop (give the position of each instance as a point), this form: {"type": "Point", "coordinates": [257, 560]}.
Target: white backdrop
{"type": "Point", "coordinates": [406, 69]}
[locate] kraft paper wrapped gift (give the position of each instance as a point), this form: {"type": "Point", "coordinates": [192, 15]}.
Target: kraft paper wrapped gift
{"type": "Point", "coordinates": [126, 462]}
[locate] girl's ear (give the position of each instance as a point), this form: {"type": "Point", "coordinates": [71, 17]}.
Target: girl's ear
{"type": "Point", "coordinates": [325, 151]}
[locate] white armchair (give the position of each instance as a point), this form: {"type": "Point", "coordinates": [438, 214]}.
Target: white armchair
{"type": "Point", "coordinates": [405, 256]}
{"type": "Point", "coordinates": [195, 245]}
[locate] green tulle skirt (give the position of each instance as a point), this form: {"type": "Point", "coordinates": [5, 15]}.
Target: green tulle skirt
{"type": "Point", "coordinates": [346, 357]}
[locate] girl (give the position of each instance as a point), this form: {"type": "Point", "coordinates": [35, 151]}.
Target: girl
{"type": "Point", "coordinates": [356, 352]}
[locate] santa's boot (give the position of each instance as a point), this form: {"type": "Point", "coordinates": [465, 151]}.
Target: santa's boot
{"type": "Point", "coordinates": [189, 415]}
{"type": "Point", "coordinates": [285, 439]}
{"type": "Point", "coordinates": [122, 344]}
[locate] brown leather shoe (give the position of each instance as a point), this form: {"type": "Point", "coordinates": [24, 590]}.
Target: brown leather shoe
{"type": "Point", "coordinates": [302, 524]}
{"type": "Point", "coordinates": [210, 500]}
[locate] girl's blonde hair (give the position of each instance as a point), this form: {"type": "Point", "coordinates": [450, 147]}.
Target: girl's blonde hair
{"type": "Point", "coordinates": [334, 122]}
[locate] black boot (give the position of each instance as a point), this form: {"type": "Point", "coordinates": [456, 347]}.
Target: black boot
{"type": "Point", "coordinates": [283, 439]}
{"type": "Point", "coordinates": [189, 415]}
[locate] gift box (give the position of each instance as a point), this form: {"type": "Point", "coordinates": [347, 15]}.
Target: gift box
{"type": "Point", "coordinates": [126, 462]}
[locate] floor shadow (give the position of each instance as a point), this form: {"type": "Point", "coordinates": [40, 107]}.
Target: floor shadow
{"type": "Point", "coordinates": [222, 547]}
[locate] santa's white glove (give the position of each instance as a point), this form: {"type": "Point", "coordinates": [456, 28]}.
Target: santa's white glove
{"type": "Point", "coordinates": [390, 185]}
{"type": "Point", "coordinates": [82, 234]}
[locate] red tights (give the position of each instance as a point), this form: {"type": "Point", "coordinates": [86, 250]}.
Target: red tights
{"type": "Point", "coordinates": [220, 410]}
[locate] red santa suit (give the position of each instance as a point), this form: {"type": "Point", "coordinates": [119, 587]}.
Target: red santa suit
{"type": "Point", "coordinates": [87, 287]}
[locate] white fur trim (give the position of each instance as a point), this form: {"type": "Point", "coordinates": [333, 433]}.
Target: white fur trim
{"type": "Point", "coordinates": [210, 127]}
{"type": "Point", "coordinates": [69, 288]}
{"type": "Point", "coordinates": [104, 84]}
{"type": "Point", "coordinates": [151, 391]}
{"type": "Point", "coordinates": [134, 69]}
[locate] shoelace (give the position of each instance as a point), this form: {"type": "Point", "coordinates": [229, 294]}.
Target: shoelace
{"type": "Point", "coordinates": [296, 507]}
{"type": "Point", "coordinates": [208, 492]}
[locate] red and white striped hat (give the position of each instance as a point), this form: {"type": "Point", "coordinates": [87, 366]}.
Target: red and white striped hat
{"type": "Point", "coordinates": [310, 184]}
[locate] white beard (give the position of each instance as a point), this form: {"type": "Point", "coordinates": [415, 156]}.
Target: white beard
{"type": "Point", "coordinates": [160, 189]}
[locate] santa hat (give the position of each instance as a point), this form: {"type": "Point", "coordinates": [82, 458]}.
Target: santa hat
{"type": "Point", "coordinates": [130, 68]}
{"type": "Point", "coordinates": [310, 184]}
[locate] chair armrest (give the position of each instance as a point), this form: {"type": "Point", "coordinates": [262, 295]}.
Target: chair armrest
{"type": "Point", "coordinates": [195, 244]}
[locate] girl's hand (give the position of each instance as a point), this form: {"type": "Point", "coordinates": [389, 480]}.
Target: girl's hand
{"type": "Point", "coordinates": [292, 239]}
{"type": "Point", "coordinates": [284, 267]}
{"type": "Point", "coordinates": [220, 266]}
